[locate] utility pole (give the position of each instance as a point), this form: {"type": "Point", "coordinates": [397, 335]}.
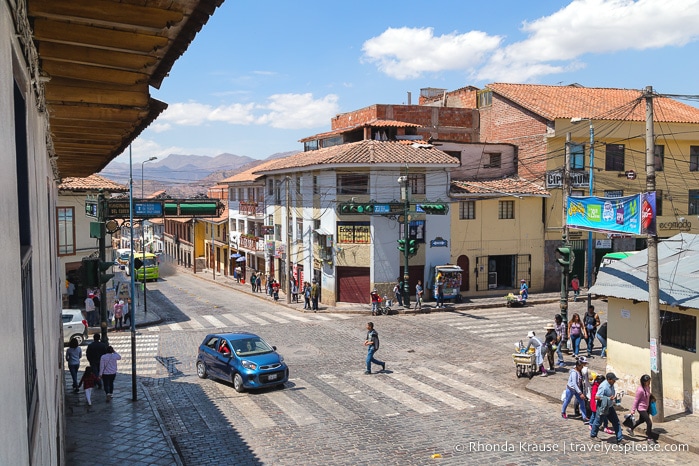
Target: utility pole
{"type": "Point", "coordinates": [404, 186]}
{"type": "Point", "coordinates": [132, 286]}
{"type": "Point", "coordinates": [590, 250]}
{"type": "Point", "coordinates": [564, 236]}
{"type": "Point", "coordinates": [288, 242]}
{"type": "Point", "coordinates": [656, 377]}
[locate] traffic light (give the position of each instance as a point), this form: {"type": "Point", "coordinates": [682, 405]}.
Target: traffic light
{"type": "Point", "coordinates": [103, 267]}
{"type": "Point", "coordinates": [566, 259]}
{"type": "Point", "coordinates": [401, 245]}
{"type": "Point", "coordinates": [352, 208]}
{"type": "Point", "coordinates": [412, 247]}
{"type": "Point", "coordinates": [192, 208]}
{"type": "Point", "coordinates": [88, 273]}
{"type": "Point", "coordinates": [434, 209]}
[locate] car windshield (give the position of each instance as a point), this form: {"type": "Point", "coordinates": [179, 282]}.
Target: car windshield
{"type": "Point", "coordinates": [250, 346]}
{"type": "Point", "coordinates": [150, 262]}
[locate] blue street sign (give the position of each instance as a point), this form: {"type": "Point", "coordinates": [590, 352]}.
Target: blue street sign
{"type": "Point", "coordinates": [382, 209]}
{"type": "Point", "coordinates": [148, 209]}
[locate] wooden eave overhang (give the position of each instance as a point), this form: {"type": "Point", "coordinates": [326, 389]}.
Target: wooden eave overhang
{"type": "Point", "coordinates": [97, 59]}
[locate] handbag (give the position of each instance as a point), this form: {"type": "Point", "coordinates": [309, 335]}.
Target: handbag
{"type": "Point", "coordinates": [629, 421]}
{"type": "Point", "coordinates": [652, 408]}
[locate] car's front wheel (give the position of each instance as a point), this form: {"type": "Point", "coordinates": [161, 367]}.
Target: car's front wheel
{"type": "Point", "coordinates": [79, 338]}
{"type": "Point", "coordinates": [238, 383]}
{"type": "Point", "coordinates": [201, 369]}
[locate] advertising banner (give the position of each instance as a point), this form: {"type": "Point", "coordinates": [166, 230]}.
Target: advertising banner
{"type": "Point", "coordinates": [631, 215]}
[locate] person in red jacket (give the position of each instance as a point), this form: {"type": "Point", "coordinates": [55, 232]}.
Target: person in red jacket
{"type": "Point", "coordinates": [375, 300]}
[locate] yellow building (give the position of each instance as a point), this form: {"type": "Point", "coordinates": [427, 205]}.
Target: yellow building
{"type": "Point", "coordinates": [628, 350]}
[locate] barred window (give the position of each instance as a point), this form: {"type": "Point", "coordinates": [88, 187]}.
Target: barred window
{"type": "Point", "coordinates": [417, 183]}
{"type": "Point", "coordinates": [467, 210]}
{"type": "Point", "coordinates": [506, 210]}
{"type": "Point", "coordinates": [354, 232]}
{"type": "Point", "coordinates": [678, 331]}
{"type": "Point", "coordinates": [350, 183]}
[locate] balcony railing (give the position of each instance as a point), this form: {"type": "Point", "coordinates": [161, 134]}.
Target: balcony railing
{"type": "Point", "coordinates": [252, 243]}
{"type": "Point", "coordinates": [251, 209]}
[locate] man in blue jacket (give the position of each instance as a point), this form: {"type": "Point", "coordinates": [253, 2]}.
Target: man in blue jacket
{"type": "Point", "coordinates": [606, 398]}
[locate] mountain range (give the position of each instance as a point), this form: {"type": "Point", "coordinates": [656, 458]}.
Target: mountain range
{"type": "Point", "coordinates": [183, 176]}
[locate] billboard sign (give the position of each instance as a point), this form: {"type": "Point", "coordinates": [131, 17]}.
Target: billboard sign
{"type": "Point", "coordinates": [631, 215]}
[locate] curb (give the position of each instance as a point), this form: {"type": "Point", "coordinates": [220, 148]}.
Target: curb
{"type": "Point", "coordinates": [161, 424]}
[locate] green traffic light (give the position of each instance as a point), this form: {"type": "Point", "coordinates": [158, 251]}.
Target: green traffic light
{"type": "Point", "coordinates": [401, 245]}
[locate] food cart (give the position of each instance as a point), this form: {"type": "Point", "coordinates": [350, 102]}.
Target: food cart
{"type": "Point", "coordinates": [451, 277]}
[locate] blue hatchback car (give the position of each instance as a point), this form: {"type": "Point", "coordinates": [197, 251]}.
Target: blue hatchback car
{"type": "Point", "coordinates": [244, 359]}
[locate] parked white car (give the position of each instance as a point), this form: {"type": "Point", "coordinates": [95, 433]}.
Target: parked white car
{"type": "Point", "coordinates": [74, 326]}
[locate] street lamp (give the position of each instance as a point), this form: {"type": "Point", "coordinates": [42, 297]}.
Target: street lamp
{"type": "Point", "coordinates": [143, 240]}
{"type": "Point", "coordinates": [590, 259]}
{"type": "Point", "coordinates": [404, 195]}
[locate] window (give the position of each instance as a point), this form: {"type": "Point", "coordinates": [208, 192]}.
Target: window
{"type": "Point", "coordinates": [270, 187]}
{"type": "Point", "coordinates": [66, 230]}
{"type": "Point", "coordinates": [678, 331]}
{"type": "Point", "coordinates": [467, 210]}
{"type": "Point", "coordinates": [506, 210]}
{"type": "Point", "coordinates": [277, 192]}
{"type": "Point", "coordinates": [241, 194]}
{"type": "Point", "coordinates": [494, 160]}
{"type": "Point", "coordinates": [659, 154]}
{"type": "Point", "coordinates": [485, 98]}
{"type": "Point", "coordinates": [316, 187]}
{"type": "Point", "coordinates": [299, 185]}
{"type": "Point", "coordinates": [577, 193]}
{"type": "Point", "coordinates": [310, 145]}
{"type": "Point", "coordinates": [417, 183]}
{"type": "Point", "coordinates": [231, 194]}
{"type": "Point", "coordinates": [277, 232]}
{"type": "Point", "coordinates": [658, 203]}
{"type": "Point", "coordinates": [352, 184]}
{"type": "Point", "coordinates": [299, 229]}
{"type": "Point", "coordinates": [577, 156]}
{"type": "Point", "coordinates": [693, 158]}
{"type": "Point", "coordinates": [615, 157]}
{"type": "Point", "coordinates": [251, 194]}
{"type": "Point", "coordinates": [241, 225]}
{"type": "Point", "coordinates": [353, 232]}
{"type": "Point", "coordinates": [693, 202]}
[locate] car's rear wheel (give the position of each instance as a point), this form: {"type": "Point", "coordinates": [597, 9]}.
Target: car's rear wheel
{"type": "Point", "coordinates": [238, 383]}
{"type": "Point", "coordinates": [201, 369]}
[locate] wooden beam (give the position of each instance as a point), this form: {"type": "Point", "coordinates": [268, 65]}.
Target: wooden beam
{"type": "Point", "coordinates": [95, 56]}
{"type": "Point", "coordinates": [96, 112]}
{"type": "Point", "coordinates": [92, 73]}
{"type": "Point", "coordinates": [108, 12]}
{"type": "Point", "coordinates": [62, 94]}
{"type": "Point", "coordinates": [57, 31]}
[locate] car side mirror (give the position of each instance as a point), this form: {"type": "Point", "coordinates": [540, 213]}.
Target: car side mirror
{"type": "Point", "coordinates": [274, 348]}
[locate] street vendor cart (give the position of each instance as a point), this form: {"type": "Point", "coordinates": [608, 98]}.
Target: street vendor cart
{"type": "Point", "coordinates": [525, 364]}
{"type": "Point", "coordinates": [450, 275]}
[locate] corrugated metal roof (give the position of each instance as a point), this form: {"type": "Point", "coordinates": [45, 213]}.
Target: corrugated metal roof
{"type": "Point", "coordinates": [678, 269]}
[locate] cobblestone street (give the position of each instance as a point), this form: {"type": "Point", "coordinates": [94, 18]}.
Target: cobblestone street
{"type": "Point", "coordinates": [449, 388]}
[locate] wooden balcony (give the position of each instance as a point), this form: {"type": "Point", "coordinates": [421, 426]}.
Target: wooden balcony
{"type": "Point", "coordinates": [252, 243]}
{"type": "Point", "coordinates": [251, 209]}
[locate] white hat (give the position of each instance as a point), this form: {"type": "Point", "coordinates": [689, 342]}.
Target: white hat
{"type": "Point", "coordinates": [530, 334]}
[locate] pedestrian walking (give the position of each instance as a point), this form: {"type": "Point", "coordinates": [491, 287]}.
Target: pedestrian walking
{"type": "Point", "coordinates": [118, 315]}
{"type": "Point", "coordinates": [88, 381]}
{"type": "Point", "coordinates": [108, 371]}
{"type": "Point", "coordinates": [398, 292]}
{"type": "Point", "coordinates": [523, 290]}
{"type": "Point", "coordinates": [91, 310]}
{"type": "Point", "coordinates": [253, 282]}
{"type": "Point", "coordinates": [94, 353]}
{"type": "Point", "coordinates": [575, 286]}
{"type": "Point", "coordinates": [294, 290]}
{"type": "Point", "coordinates": [561, 338]}
{"type": "Point", "coordinates": [372, 344]}
{"type": "Point", "coordinates": [306, 295]}
{"type": "Point", "coordinates": [535, 343]}
{"type": "Point", "coordinates": [127, 310]}
{"type": "Point", "coordinates": [641, 403]}
{"type": "Point", "coordinates": [418, 295]}
{"type": "Point", "coordinates": [606, 398]}
{"type": "Point", "coordinates": [591, 322]}
{"type": "Point", "coordinates": [576, 331]}
{"type": "Point", "coordinates": [551, 344]}
{"type": "Point", "coordinates": [275, 290]}
{"type": "Point", "coordinates": [375, 300]}
{"type": "Point", "coordinates": [593, 404]}
{"type": "Point", "coordinates": [315, 293]}
{"type": "Point", "coordinates": [259, 282]}
{"type": "Point", "coordinates": [73, 355]}
{"type": "Point", "coordinates": [574, 389]}
{"type": "Point", "coordinates": [440, 291]}
{"type": "Point", "coordinates": [602, 337]}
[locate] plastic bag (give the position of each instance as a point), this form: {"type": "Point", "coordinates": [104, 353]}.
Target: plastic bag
{"type": "Point", "coordinates": [652, 408]}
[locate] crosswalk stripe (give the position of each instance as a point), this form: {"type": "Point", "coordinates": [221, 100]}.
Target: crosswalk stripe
{"type": "Point", "coordinates": [234, 320]}
{"type": "Point", "coordinates": [252, 412]}
{"type": "Point", "coordinates": [276, 318]}
{"type": "Point", "coordinates": [431, 391]}
{"type": "Point", "coordinates": [194, 324]}
{"type": "Point", "coordinates": [366, 400]}
{"type": "Point", "coordinates": [519, 321]}
{"type": "Point", "coordinates": [473, 391]}
{"type": "Point", "coordinates": [294, 317]}
{"type": "Point", "coordinates": [510, 328]}
{"type": "Point", "coordinates": [255, 319]}
{"type": "Point", "coordinates": [319, 316]}
{"type": "Point", "coordinates": [175, 326]}
{"type": "Point", "coordinates": [342, 316]}
{"type": "Point", "coordinates": [215, 322]}
{"type": "Point", "coordinates": [335, 409]}
{"type": "Point", "coordinates": [292, 409]}
{"type": "Point", "coordinates": [392, 392]}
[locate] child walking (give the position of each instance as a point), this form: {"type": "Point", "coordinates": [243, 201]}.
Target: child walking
{"type": "Point", "coordinates": [88, 381]}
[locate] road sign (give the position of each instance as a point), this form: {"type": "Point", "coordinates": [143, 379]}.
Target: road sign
{"type": "Point", "coordinates": [145, 209]}
{"type": "Point", "coordinates": [117, 209]}
{"type": "Point", "coordinates": [91, 209]}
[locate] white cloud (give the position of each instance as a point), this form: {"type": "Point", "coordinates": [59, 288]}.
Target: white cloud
{"type": "Point", "coordinates": [297, 111]}
{"type": "Point", "coordinates": [142, 149]}
{"type": "Point", "coordinates": [405, 53]}
{"type": "Point", "coordinates": [554, 43]}
{"type": "Point", "coordinates": [286, 111]}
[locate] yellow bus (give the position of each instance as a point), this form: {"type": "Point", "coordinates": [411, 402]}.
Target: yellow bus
{"type": "Point", "coordinates": [150, 267]}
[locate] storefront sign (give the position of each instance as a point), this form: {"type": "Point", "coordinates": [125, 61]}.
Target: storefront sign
{"type": "Point", "coordinates": [554, 179]}
{"type": "Point", "coordinates": [603, 244]}
{"type": "Point", "coordinates": [682, 226]}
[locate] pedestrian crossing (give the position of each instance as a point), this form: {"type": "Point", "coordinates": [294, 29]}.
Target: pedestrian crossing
{"type": "Point", "coordinates": [316, 399]}
{"type": "Point", "coordinates": [146, 353]}
{"type": "Point", "coordinates": [497, 326]}
{"type": "Point", "coordinates": [245, 319]}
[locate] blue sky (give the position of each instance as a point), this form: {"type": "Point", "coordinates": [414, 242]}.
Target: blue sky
{"type": "Point", "coordinates": [262, 75]}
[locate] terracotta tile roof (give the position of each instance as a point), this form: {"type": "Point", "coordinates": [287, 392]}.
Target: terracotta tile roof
{"type": "Point", "coordinates": [365, 153]}
{"type": "Point", "coordinates": [249, 174]}
{"type": "Point", "coordinates": [91, 183]}
{"type": "Point", "coordinates": [375, 123]}
{"type": "Point", "coordinates": [554, 102]}
{"type": "Point", "coordinates": [497, 188]}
